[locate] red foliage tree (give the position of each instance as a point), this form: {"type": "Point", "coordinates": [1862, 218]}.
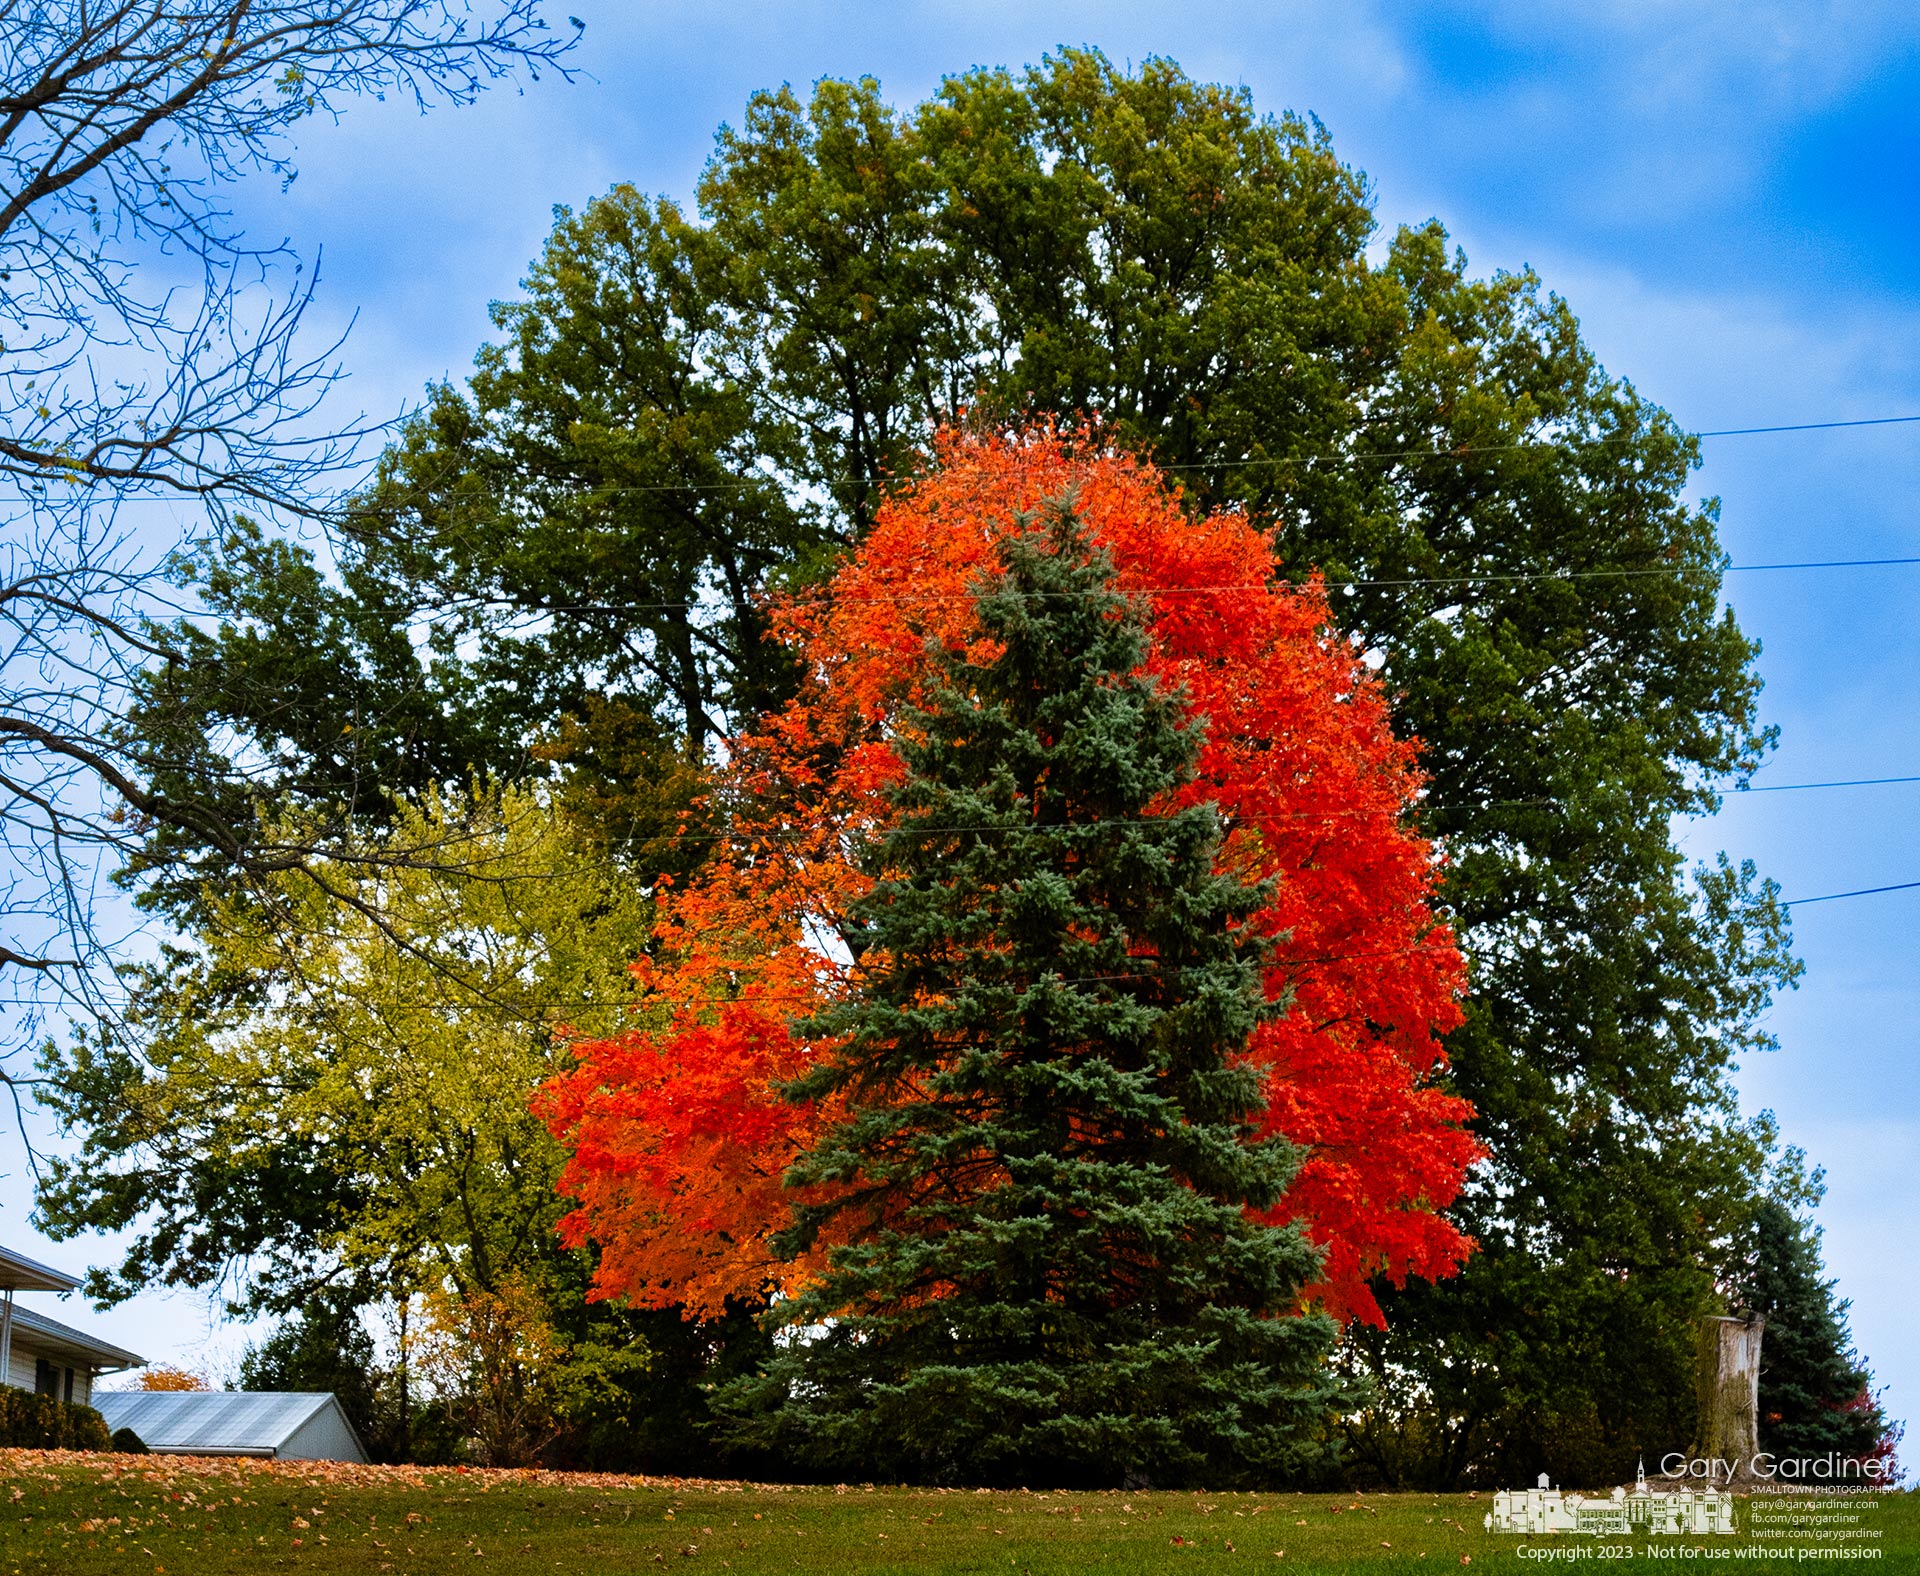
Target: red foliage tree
{"type": "Point", "coordinates": [677, 1133]}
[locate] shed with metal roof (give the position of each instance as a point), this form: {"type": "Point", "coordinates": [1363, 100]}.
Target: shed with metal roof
{"type": "Point", "coordinates": [284, 1425]}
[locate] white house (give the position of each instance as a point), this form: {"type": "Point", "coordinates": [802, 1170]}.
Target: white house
{"type": "Point", "coordinates": [42, 1354]}
{"type": "Point", "coordinates": [283, 1425]}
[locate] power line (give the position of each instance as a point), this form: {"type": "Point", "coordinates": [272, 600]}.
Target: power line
{"type": "Point", "coordinates": [1627, 574]}
{"type": "Point", "coordinates": [1462, 818]}
{"type": "Point", "coordinates": [54, 1000]}
{"type": "Point", "coordinates": [1833, 897]}
{"type": "Point", "coordinates": [1231, 820]}
{"type": "Point", "coordinates": [670, 1002]}
{"type": "Point", "coordinates": [1226, 588]}
{"type": "Point", "coordinates": [823, 594]}
{"type": "Point", "coordinates": [1810, 426]}
{"type": "Point", "coordinates": [1457, 452]}
{"type": "Point", "coordinates": [1849, 782]}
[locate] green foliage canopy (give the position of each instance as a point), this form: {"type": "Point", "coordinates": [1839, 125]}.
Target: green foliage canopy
{"type": "Point", "coordinates": [324, 1346]}
{"type": "Point", "coordinates": [683, 411]}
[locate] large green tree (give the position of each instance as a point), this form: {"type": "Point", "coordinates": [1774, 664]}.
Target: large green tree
{"type": "Point", "coordinates": [1042, 1267]}
{"type": "Point", "coordinates": [684, 409]}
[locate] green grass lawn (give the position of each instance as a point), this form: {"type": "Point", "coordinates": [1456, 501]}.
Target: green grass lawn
{"type": "Point", "coordinates": [75, 1514]}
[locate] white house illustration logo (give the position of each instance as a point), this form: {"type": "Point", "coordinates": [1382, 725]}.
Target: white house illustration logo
{"type": "Point", "coordinates": [1672, 1512]}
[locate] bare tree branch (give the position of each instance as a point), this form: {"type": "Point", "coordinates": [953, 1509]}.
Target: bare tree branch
{"type": "Point", "coordinates": [149, 353]}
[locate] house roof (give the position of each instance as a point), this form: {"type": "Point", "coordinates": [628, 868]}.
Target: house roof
{"type": "Point", "coordinates": [20, 1273]}
{"type": "Point", "coordinates": [213, 1422]}
{"type": "Point", "coordinates": [55, 1339]}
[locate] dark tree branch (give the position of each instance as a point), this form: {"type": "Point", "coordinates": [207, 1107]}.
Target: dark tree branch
{"type": "Point", "coordinates": [148, 353]}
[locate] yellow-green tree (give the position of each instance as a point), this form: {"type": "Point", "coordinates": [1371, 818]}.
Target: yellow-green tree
{"type": "Point", "coordinates": [504, 1373]}
{"type": "Point", "coordinates": [325, 1085]}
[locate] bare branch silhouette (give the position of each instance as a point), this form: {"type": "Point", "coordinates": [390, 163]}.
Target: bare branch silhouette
{"type": "Point", "coordinates": [150, 355]}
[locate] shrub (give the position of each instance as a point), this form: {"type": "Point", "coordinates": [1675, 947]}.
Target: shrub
{"type": "Point", "coordinates": [43, 1422]}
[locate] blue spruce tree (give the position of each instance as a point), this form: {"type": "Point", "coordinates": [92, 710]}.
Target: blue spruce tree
{"type": "Point", "coordinates": [1045, 1272]}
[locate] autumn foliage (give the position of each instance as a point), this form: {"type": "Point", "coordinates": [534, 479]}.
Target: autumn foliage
{"type": "Point", "coordinates": [165, 1376]}
{"type": "Point", "coordinates": [678, 1135]}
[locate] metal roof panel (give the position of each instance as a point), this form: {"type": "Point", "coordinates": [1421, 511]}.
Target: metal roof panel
{"type": "Point", "coordinates": [212, 1420]}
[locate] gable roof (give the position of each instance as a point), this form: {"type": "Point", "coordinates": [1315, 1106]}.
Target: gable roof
{"type": "Point", "coordinates": [20, 1273]}
{"type": "Point", "coordinates": [217, 1422]}
{"type": "Point", "coordinates": [36, 1332]}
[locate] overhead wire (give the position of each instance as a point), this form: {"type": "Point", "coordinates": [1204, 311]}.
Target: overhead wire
{"type": "Point", "coordinates": [1246, 462]}
{"type": "Point", "coordinates": [1834, 897]}
{"type": "Point", "coordinates": [1344, 585]}
{"type": "Point", "coordinates": [536, 610]}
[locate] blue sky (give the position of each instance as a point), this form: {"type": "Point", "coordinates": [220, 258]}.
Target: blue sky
{"type": "Point", "coordinates": [1727, 195]}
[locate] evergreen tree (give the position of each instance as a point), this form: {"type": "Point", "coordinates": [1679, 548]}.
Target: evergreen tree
{"type": "Point", "coordinates": [1043, 1268]}
{"type": "Point", "coordinates": [324, 1347]}
{"type": "Point", "coordinates": [1816, 1395]}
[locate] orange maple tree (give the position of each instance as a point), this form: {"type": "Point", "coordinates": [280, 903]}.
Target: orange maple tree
{"type": "Point", "coordinates": [677, 1133]}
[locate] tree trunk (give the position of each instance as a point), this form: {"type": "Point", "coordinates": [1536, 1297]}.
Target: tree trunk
{"type": "Point", "coordinates": [1730, 1392]}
